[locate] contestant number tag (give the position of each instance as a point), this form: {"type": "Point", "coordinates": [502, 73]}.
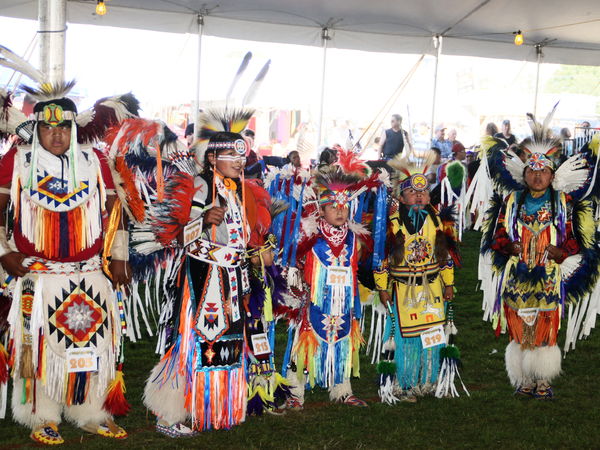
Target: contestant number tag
{"type": "Point", "coordinates": [192, 231]}
{"type": "Point", "coordinates": [432, 337]}
{"type": "Point", "coordinates": [339, 276]}
{"type": "Point", "coordinates": [260, 344]}
{"type": "Point", "coordinates": [529, 315]}
{"type": "Point", "coordinates": [82, 360]}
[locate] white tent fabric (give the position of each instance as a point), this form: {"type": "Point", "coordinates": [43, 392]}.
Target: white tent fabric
{"type": "Point", "coordinates": [569, 30]}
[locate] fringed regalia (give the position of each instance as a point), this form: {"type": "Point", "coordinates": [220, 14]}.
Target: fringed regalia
{"type": "Point", "coordinates": [202, 374]}
{"type": "Point", "coordinates": [65, 303]}
{"type": "Point", "coordinates": [268, 390]}
{"type": "Point", "coordinates": [416, 275]}
{"type": "Point", "coordinates": [528, 288]}
{"type": "Point", "coordinates": [418, 268]}
{"type": "Point", "coordinates": [328, 336]}
{"type": "Point", "coordinates": [65, 322]}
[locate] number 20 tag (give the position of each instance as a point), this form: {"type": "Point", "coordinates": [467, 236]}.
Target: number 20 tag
{"type": "Point", "coordinates": [432, 337]}
{"type": "Point", "coordinates": [82, 360]}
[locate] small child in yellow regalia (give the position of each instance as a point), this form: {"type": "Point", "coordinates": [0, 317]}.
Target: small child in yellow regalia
{"type": "Point", "coordinates": [416, 279]}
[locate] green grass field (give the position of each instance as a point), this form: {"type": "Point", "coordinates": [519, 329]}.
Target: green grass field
{"type": "Point", "coordinates": [490, 418]}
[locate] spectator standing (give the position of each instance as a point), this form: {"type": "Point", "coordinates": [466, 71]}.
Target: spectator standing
{"type": "Point", "coordinates": [506, 134]}
{"type": "Point", "coordinates": [440, 141]}
{"type": "Point", "coordinates": [393, 139]}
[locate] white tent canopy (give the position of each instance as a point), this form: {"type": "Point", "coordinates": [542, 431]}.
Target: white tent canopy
{"type": "Point", "coordinates": [568, 31]}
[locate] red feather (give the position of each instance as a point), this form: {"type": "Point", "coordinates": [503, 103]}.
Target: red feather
{"type": "Point", "coordinates": [348, 161]}
{"type": "Point", "coordinates": [258, 202]}
{"type": "Point", "coordinates": [177, 203]}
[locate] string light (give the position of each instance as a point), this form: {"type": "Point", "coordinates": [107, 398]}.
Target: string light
{"type": "Point", "coordinates": [518, 38]}
{"type": "Point", "coordinates": [100, 8]}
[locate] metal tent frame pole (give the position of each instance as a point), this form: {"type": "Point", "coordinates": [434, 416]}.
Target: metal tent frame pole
{"type": "Point", "coordinates": [52, 19]}
{"type": "Point", "coordinates": [437, 43]}
{"type": "Point", "coordinates": [324, 39]}
{"type": "Point", "coordinates": [540, 54]}
{"type": "Point", "coordinates": [196, 103]}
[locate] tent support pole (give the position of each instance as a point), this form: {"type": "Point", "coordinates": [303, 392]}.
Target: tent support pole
{"type": "Point", "coordinates": [52, 20]}
{"type": "Point", "coordinates": [437, 43]}
{"type": "Point", "coordinates": [196, 103]}
{"type": "Point", "coordinates": [324, 39]}
{"type": "Point", "coordinates": [538, 51]}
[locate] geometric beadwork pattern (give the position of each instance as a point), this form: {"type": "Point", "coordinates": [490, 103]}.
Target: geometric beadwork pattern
{"type": "Point", "coordinates": [79, 316]}
{"type": "Point", "coordinates": [54, 192]}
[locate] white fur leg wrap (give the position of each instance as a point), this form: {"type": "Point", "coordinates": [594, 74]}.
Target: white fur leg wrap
{"type": "Point", "coordinates": [166, 399]}
{"type": "Point", "coordinates": [338, 392]}
{"type": "Point", "coordinates": [542, 363]}
{"type": "Point", "coordinates": [296, 385]}
{"type": "Point", "coordinates": [46, 409]}
{"type": "Point", "coordinates": [514, 364]}
{"type": "Point", "coordinates": [120, 247]}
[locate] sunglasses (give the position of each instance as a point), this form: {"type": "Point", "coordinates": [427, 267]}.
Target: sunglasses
{"type": "Point", "coordinates": [232, 158]}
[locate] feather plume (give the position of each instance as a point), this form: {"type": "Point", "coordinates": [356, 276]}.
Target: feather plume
{"type": "Point", "coordinates": [405, 166]}
{"type": "Point", "coordinates": [93, 123]}
{"type": "Point", "coordinates": [542, 140]}
{"type": "Point", "coordinates": [50, 91]}
{"type": "Point", "coordinates": [10, 116]}
{"type": "Point", "coordinates": [238, 75]}
{"type": "Point", "coordinates": [349, 162]}
{"type": "Point", "coordinates": [13, 61]}
{"type": "Point", "coordinates": [253, 89]}
{"type": "Point", "coordinates": [232, 121]}
{"type": "Point", "coordinates": [216, 120]}
{"type": "Point", "coordinates": [277, 207]}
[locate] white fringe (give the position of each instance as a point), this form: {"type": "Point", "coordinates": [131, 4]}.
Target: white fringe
{"type": "Point", "coordinates": [386, 392]}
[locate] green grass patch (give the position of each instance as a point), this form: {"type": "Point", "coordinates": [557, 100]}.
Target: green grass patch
{"type": "Point", "coordinates": [490, 418]}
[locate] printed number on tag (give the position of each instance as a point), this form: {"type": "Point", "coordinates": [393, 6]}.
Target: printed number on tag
{"type": "Point", "coordinates": [82, 360]}
{"type": "Point", "coordinates": [432, 337]}
{"type": "Point", "coordinates": [192, 231]}
{"type": "Point", "coordinates": [260, 343]}
{"type": "Point", "coordinates": [339, 276]}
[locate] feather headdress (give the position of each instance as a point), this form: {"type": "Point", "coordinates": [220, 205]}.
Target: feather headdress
{"type": "Point", "coordinates": [410, 171]}
{"type": "Point", "coordinates": [344, 181]}
{"type": "Point", "coordinates": [220, 130]}
{"type": "Point", "coordinates": [542, 147]}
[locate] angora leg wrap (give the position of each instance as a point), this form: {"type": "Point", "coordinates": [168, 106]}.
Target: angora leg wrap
{"type": "Point", "coordinates": [296, 385]}
{"type": "Point", "coordinates": [46, 409]}
{"type": "Point", "coordinates": [514, 365]}
{"type": "Point", "coordinates": [90, 412]}
{"type": "Point", "coordinates": [339, 392]}
{"type": "Point", "coordinates": [542, 363]}
{"type": "Point", "coordinates": [166, 399]}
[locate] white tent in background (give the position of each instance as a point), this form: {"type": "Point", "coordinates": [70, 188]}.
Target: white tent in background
{"type": "Point", "coordinates": [469, 27]}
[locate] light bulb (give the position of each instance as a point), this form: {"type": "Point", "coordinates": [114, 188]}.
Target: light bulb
{"type": "Point", "coordinates": [100, 8]}
{"type": "Point", "coordinates": [519, 38]}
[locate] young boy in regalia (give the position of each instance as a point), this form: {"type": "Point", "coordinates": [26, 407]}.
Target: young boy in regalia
{"type": "Point", "coordinates": [542, 241]}
{"type": "Point", "coordinates": [416, 280]}
{"type": "Point", "coordinates": [64, 320]}
{"type": "Point", "coordinates": [328, 337]}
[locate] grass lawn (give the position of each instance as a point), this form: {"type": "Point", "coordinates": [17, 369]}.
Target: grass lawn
{"type": "Point", "coordinates": [490, 418]}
